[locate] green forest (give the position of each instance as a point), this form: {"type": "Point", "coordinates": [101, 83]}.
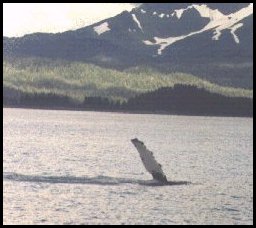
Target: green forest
{"type": "Point", "coordinates": [78, 81]}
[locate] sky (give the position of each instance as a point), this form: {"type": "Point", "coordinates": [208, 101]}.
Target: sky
{"type": "Point", "coordinates": [24, 18]}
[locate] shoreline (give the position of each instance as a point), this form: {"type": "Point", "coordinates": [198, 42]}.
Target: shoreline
{"type": "Point", "coordinates": [121, 111]}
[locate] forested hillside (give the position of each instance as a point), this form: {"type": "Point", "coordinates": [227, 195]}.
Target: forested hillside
{"type": "Point", "coordinates": [46, 83]}
{"type": "Point", "coordinates": [80, 80]}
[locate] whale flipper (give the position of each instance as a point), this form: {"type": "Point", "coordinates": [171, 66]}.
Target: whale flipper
{"type": "Point", "coordinates": [149, 161]}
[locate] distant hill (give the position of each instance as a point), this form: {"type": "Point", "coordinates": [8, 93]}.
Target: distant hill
{"type": "Point", "coordinates": [179, 100]}
{"type": "Point", "coordinates": [45, 83]}
{"type": "Point", "coordinates": [213, 41]}
{"type": "Point", "coordinates": [79, 80]}
{"type": "Point", "coordinates": [190, 100]}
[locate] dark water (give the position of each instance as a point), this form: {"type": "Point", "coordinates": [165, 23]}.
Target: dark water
{"type": "Point", "coordinates": [65, 167]}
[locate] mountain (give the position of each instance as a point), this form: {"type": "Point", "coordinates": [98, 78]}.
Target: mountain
{"type": "Point", "coordinates": [213, 41]}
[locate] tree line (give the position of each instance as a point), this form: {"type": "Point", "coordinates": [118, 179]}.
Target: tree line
{"type": "Point", "coordinates": [180, 99]}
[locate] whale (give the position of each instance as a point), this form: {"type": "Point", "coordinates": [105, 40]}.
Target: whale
{"type": "Point", "coordinates": [149, 161]}
{"type": "Point", "coordinates": [147, 158]}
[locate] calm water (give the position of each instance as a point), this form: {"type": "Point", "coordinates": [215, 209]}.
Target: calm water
{"type": "Point", "coordinates": [66, 167]}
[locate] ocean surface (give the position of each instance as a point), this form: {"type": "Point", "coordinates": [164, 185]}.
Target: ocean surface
{"type": "Point", "coordinates": [75, 167]}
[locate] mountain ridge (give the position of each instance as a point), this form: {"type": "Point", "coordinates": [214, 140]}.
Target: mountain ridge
{"type": "Point", "coordinates": [160, 35]}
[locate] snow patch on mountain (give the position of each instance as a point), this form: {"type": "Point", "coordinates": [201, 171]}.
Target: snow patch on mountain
{"type": "Point", "coordinates": [179, 12]}
{"type": "Point", "coordinates": [205, 11]}
{"type": "Point", "coordinates": [233, 29]}
{"type": "Point", "coordinates": [137, 21]}
{"type": "Point", "coordinates": [101, 28]}
{"type": "Point", "coordinates": [218, 22]}
{"type": "Point", "coordinates": [216, 35]}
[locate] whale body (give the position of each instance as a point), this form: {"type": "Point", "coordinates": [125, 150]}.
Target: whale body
{"type": "Point", "coordinates": [149, 161]}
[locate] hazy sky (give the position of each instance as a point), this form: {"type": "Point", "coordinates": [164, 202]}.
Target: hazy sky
{"type": "Point", "coordinates": [24, 18]}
